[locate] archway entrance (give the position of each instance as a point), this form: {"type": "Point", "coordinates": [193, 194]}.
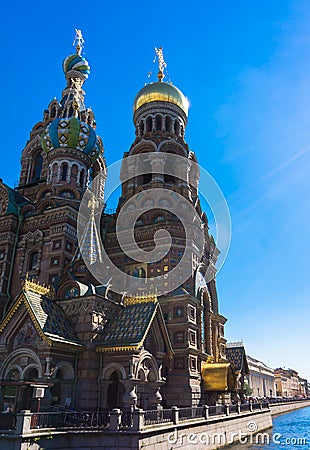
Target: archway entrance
{"type": "Point", "coordinates": [27, 401]}
{"type": "Point", "coordinates": [113, 396]}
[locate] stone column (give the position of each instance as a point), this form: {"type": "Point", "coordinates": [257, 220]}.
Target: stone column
{"type": "Point", "coordinates": [23, 422]}
{"type": "Point", "coordinates": [115, 419]}
{"type": "Point", "coordinates": [138, 419]}
{"type": "Point", "coordinates": [206, 411]}
{"type": "Point", "coordinates": [129, 397]}
{"type": "Point", "coordinates": [183, 173]}
{"type": "Point", "coordinates": [175, 414]}
{"type": "Point", "coordinates": [157, 163]}
{"type": "Point", "coordinates": [155, 397]}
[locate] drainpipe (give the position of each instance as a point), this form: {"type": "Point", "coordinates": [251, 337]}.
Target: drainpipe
{"type": "Point", "coordinates": [75, 379]}
{"type": "Point", "coordinates": [8, 293]}
{"type": "Point", "coordinates": [99, 384]}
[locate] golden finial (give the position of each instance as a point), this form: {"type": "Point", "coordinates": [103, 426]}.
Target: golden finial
{"type": "Point", "coordinates": [78, 41]}
{"type": "Point", "coordinates": [161, 63]}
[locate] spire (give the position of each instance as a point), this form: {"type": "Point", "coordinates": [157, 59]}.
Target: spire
{"type": "Point", "coordinates": [78, 41]}
{"type": "Point", "coordinates": [161, 63]}
{"type": "Point", "coordinates": [91, 242]}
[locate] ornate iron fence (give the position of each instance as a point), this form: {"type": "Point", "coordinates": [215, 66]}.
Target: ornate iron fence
{"type": "Point", "coordinates": [7, 421]}
{"type": "Point", "coordinates": [152, 417]}
{"type": "Point", "coordinates": [216, 410]}
{"type": "Point", "coordinates": [191, 413]}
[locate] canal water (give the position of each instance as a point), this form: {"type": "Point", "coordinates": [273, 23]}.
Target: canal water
{"type": "Point", "coordinates": [290, 430]}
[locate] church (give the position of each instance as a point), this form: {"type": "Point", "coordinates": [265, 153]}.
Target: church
{"type": "Point", "coordinates": [70, 328]}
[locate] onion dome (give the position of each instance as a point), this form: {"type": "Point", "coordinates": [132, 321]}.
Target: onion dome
{"type": "Point", "coordinates": [161, 92]}
{"type": "Point", "coordinates": [77, 63]}
{"type": "Point", "coordinates": [72, 133]}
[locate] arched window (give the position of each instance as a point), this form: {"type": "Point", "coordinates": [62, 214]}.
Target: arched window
{"type": "Point", "coordinates": [141, 127]}
{"type": "Point", "coordinates": [158, 123]}
{"type": "Point", "coordinates": [33, 260]}
{"type": "Point", "coordinates": [74, 173]}
{"type": "Point", "coordinates": [64, 172]}
{"type": "Point", "coordinates": [168, 125]}
{"type": "Point", "coordinates": [82, 178]}
{"type": "Point", "coordinates": [149, 124]}
{"type": "Point", "coordinates": [177, 128]}
{"type": "Point", "coordinates": [37, 167]}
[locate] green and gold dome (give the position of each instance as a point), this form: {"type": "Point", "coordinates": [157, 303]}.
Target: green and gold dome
{"type": "Point", "coordinates": [72, 133]}
{"type": "Point", "coordinates": [161, 92]}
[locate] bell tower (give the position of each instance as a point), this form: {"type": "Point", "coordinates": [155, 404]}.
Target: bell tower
{"type": "Point", "coordinates": [169, 172]}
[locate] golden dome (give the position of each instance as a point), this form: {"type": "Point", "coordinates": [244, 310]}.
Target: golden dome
{"type": "Point", "coordinates": [161, 92]}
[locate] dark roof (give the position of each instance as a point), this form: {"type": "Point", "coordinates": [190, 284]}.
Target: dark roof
{"type": "Point", "coordinates": [129, 326]}
{"type": "Point", "coordinates": [51, 318]}
{"type": "Point", "coordinates": [237, 358]}
{"type": "Point", "coordinates": [16, 200]}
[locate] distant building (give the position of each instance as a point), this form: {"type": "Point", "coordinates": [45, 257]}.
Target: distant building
{"type": "Point", "coordinates": [287, 382]}
{"type": "Point", "coordinates": [304, 387]}
{"type": "Point", "coordinates": [261, 378]}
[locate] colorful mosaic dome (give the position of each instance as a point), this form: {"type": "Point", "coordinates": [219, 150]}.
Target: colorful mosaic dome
{"type": "Point", "coordinates": [71, 133]}
{"type": "Point", "coordinates": [162, 92]}
{"type": "Point", "coordinates": [78, 63]}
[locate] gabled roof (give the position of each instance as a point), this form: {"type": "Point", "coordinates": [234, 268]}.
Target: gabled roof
{"type": "Point", "coordinates": [47, 317]}
{"type": "Point", "coordinates": [129, 327]}
{"type": "Point", "coordinates": [16, 200]}
{"type": "Point", "coordinates": [237, 358]}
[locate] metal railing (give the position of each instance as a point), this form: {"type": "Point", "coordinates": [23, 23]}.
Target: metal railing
{"type": "Point", "coordinates": [216, 410]}
{"type": "Point", "coordinates": [7, 421]}
{"type": "Point", "coordinates": [233, 408]}
{"type": "Point", "coordinates": [126, 419]}
{"type": "Point", "coordinates": [191, 413]}
{"type": "Point", "coordinates": [71, 419]}
{"type": "Point", "coordinates": [123, 420]}
{"type": "Point", "coordinates": [156, 416]}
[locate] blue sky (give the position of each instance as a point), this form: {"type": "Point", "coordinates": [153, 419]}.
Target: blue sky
{"type": "Point", "coordinates": [245, 66]}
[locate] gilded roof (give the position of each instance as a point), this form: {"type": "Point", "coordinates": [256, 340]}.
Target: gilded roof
{"type": "Point", "coordinates": [163, 92]}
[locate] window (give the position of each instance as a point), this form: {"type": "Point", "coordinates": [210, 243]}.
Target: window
{"type": "Point", "coordinates": [56, 245]}
{"type": "Point", "coordinates": [193, 363]}
{"type": "Point", "coordinates": [82, 177]}
{"type": "Point", "coordinates": [33, 261]}
{"type": "Point", "coordinates": [54, 262]}
{"type": "Point", "coordinates": [158, 123]}
{"type": "Point", "coordinates": [69, 246]}
{"type": "Point", "coordinates": [178, 311]}
{"type": "Point", "coordinates": [192, 313]}
{"type": "Point", "coordinates": [192, 337]}
{"type": "Point", "coordinates": [168, 123]}
{"type": "Point", "coordinates": [52, 278]}
{"type": "Point", "coordinates": [149, 124]}
{"type": "Point", "coordinates": [2, 254]}
{"type": "Point", "coordinates": [37, 169]}
{"type": "Point", "coordinates": [64, 172]}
